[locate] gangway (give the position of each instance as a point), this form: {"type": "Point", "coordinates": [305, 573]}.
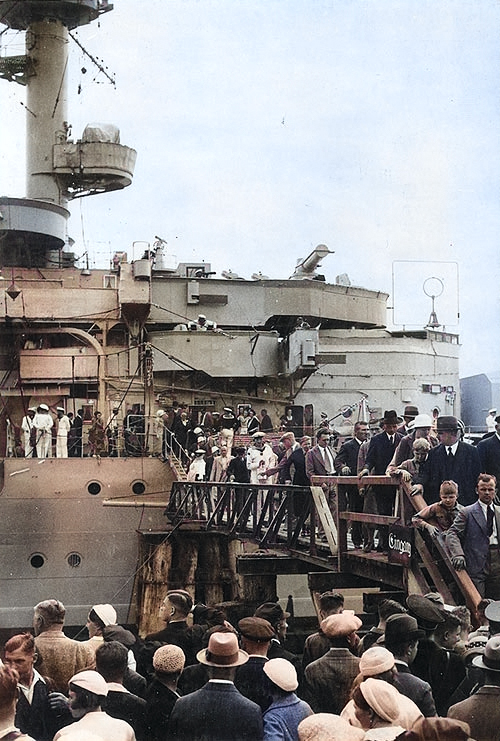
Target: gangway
{"type": "Point", "coordinates": [298, 521]}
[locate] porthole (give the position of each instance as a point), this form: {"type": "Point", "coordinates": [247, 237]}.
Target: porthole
{"type": "Point", "coordinates": [94, 488]}
{"type": "Point", "coordinates": [74, 560]}
{"type": "Point", "coordinates": [37, 560]}
{"type": "Point", "coordinates": [138, 487]}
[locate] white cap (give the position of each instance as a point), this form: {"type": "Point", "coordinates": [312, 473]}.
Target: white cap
{"type": "Point", "coordinates": [106, 613]}
{"type": "Point", "coordinates": [199, 452]}
{"type": "Point", "coordinates": [61, 409]}
{"type": "Point", "coordinates": [160, 413]}
{"type": "Point", "coordinates": [91, 681]}
{"type": "Point", "coordinates": [44, 407]}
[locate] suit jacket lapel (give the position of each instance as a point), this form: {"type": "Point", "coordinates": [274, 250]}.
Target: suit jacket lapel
{"type": "Point", "coordinates": [479, 517]}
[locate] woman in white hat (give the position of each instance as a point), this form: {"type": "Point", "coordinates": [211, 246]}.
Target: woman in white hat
{"type": "Point", "coordinates": [282, 718]}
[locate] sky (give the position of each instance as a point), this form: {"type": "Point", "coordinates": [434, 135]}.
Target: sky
{"type": "Point", "coordinates": [266, 127]}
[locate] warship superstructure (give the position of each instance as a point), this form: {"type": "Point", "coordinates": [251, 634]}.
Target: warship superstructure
{"type": "Point", "coordinates": [128, 338]}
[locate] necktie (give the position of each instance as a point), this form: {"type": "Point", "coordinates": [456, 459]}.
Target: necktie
{"type": "Point", "coordinates": [450, 454]}
{"type": "Point", "coordinates": [489, 521]}
{"type": "Point", "coordinates": [326, 459]}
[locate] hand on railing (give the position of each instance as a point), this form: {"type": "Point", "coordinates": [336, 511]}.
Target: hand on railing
{"type": "Point", "coordinates": [433, 530]}
{"type": "Point", "coordinates": [458, 563]}
{"type": "Point", "coordinates": [416, 489]}
{"type": "Point", "coordinates": [405, 475]}
{"type": "Point", "coordinates": [345, 471]}
{"type": "Point", "coordinates": [363, 472]}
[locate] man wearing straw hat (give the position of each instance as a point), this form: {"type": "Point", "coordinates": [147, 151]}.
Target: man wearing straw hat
{"type": "Point", "coordinates": [217, 712]}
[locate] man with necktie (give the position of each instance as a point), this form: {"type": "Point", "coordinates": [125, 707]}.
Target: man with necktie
{"type": "Point", "coordinates": [473, 539]}
{"type": "Point", "coordinates": [380, 452]}
{"type": "Point", "coordinates": [451, 460]}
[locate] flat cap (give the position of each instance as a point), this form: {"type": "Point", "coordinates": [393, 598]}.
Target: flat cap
{"type": "Point", "coordinates": [342, 624]}
{"type": "Point", "coordinates": [256, 629]}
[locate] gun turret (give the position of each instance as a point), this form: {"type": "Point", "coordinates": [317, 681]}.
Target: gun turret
{"type": "Point", "coordinates": [306, 267]}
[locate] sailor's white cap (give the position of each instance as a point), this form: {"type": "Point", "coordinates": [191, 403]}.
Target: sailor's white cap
{"type": "Point", "coordinates": [44, 407]}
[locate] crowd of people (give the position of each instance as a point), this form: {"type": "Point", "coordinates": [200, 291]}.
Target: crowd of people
{"type": "Point", "coordinates": [452, 481]}
{"type": "Point", "coordinates": [422, 673]}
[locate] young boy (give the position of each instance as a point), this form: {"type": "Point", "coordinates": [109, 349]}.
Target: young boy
{"type": "Point", "coordinates": [438, 517]}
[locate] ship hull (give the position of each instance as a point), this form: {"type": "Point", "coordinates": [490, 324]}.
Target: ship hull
{"type": "Point", "coordinates": [60, 540]}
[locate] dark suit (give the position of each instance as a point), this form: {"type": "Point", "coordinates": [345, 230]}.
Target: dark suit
{"type": "Point", "coordinates": [468, 537]}
{"type": "Point", "coordinates": [187, 637]}
{"type": "Point", "coordinates": [348, 456]}
{"type": "Point", "coordinates": [482, 712]}
{"type": "Point", "coordinates": [442, 669]}
{"type": "Point", "coordinates": [378, 457]}
{"type": "Point", "coordinates": [217, 712]}
{"type": "Point", "coordinates": [253, 683]}
{"type": "Point", "coordinates": [416, 689]}
{"type": "Point", "coordinates": [464, 468]}
{"type": "Point", "coordinates": [489, 455]}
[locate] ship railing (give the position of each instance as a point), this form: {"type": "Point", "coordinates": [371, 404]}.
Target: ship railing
{"type": "Point", "coordinates": [174, 451]}
{"type": "Point", "coordinates": [278, 513]}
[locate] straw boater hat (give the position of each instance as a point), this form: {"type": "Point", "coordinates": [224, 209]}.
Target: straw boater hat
{"type": "Point", "coordinates": [222, 651]}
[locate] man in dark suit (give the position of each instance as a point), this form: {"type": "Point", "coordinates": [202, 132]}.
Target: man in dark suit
{"type": "Point", "coordinates": [379, 455]}
{"type": "Point", "coordinates": [489, 452]}
{"type": "Point", "coordinates": [217, 712]}
{"type": "Point", "coordinates": [174, 612]}
{"type": "Point", "coordinates": [482, 710]}
{"type": "Point", "coordinates": [473, 539]}
{"type": "Point", "coordinates": [451, 460]}
{"type": "Point", "coordinates": [346, 464]}
{"type": "Point", "coordinates": [401, 638]}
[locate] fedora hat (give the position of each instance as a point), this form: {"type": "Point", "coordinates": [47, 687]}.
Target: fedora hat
{"type": "Point", "coordinates": [272, 612]}
{"type": "Point", "coordinates": [390, 418]}
{"type": "Point", "coordinates": [410, 411]}
{"type": "Point", "coordinates": [447, 424]}
{"type": "Point", "coordinates": [222, 651]}
{"type": "Point", "coordinates": [490, 659]}
{"type": "Point", "coordinates": [402, 628]}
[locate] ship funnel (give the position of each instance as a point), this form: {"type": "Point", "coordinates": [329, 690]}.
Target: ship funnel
{"type": "Point", "coordinates": [306, 267]}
